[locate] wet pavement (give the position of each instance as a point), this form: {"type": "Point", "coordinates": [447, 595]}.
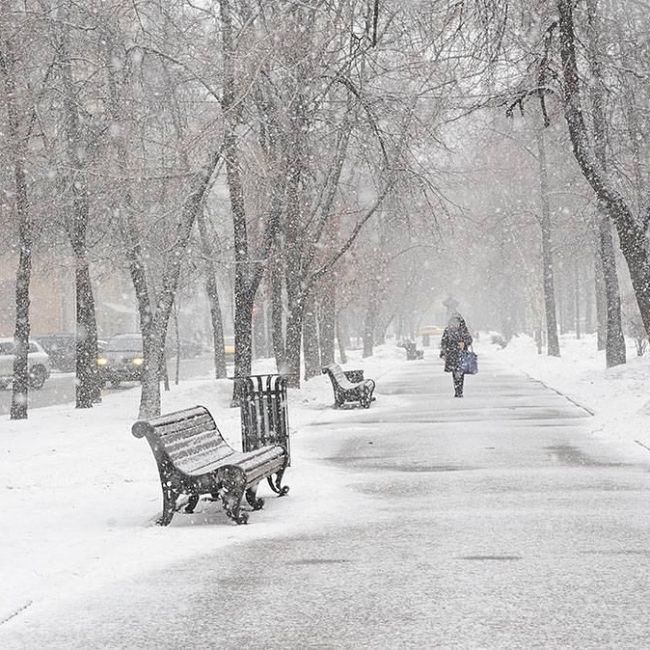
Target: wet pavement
{"type": "Point", "coordinates": [498, 521]}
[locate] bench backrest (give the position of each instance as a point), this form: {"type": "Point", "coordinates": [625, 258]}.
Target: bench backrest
{"type": "Point", "coordinates": [336, 373]}
{"type": "Point", "coordinates": [264, 412]}
{"type": "Point", "coordinates": [189, 439]}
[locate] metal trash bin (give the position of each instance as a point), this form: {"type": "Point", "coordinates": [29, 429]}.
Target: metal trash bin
{"type": "Point", "coordinates": [264, 413]}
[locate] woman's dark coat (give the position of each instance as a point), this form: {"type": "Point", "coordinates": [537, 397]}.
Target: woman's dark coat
{"type": "Point", "coordinates": [449, 348]}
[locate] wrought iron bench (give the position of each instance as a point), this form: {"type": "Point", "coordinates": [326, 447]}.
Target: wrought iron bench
{"type": "Point", "coordinates": [412, 353]}
{"type": "Point", "coordinates": [350, 386]}
{"type": "Point", "coordinates": [194, 459]}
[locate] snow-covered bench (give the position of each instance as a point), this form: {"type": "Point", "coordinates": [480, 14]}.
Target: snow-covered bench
{"type": "Point", "coordinates": [412, 353]}
{"type": "Point", "coordinates": [194, 459]}
{"type": "Point", "coordinates": [350, 386]}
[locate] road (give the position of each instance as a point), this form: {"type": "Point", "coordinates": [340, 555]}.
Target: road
{"type": "Point", "coordinates": [496, 521]}
{"type": "Point", "coordinates": [60, 387]}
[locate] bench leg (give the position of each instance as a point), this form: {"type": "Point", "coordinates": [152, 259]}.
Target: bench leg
{"type": "Point", "coordinates": [251, 497]}
{"type": "Point", "coordinates": [233, 489]}
{"type": "Point", "coordinates": [191, 504]}
{"type": "Point", "coordinates": [169, 506]}
{"type": "Point", "coordinates": [366, 394]}
{"type": "Point", "coordinates": [276, 485]}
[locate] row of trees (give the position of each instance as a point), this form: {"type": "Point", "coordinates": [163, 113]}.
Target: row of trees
{"type": "Point", "coordinates": [564, 159]}
{"type": "Point", "coordinates": [277, 143]}
{"type": "Point", "coordinates": [351, 156]}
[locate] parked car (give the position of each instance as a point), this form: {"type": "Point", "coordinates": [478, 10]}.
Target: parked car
{"type": "Point", "coordinates": [121, 360]}
{"type": "Point", "coordinates": [38, 364]}
{"type": "Point", "coordinates": [62, 350]}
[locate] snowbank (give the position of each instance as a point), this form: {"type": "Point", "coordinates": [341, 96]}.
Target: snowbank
{"type": "Point", "coordinates": [618, 397]}
{"type": "Point", "coordinates": [80, 494]}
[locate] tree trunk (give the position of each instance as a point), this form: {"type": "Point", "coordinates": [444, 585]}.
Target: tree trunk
{"type": "Point", "coordinates": [310, 340]}
{"type": "Point", "coordinates": [341, 339]}
{"type": "Point", "coordinates": [87, 386]}
{"type": "Point", "coordinates": [213, 299]}
{"type": "Point", "coordinates": [327, 321]}
{"type": "Point", "coordinates": [133, 248]}
{"type": "Point", "coordinates": [154, 345]}
{"type": "Point", "coordinates": [259, 327]}
{"type": "Point", "coordinates": [244, 289]}
{"type": "Point", "coordinates": [370, 320]}
{"type": "Point", "coordinates": [547, 252]}
{"type": "Point", "coordinates": [293, 341]}
{"type": "Point", "coordinates": [589, 308]}
{"type": "Point", "coordinates": [277, 328]}
{"type": "Point", "coordinates": [20, 382]}
{"type": "Point", "coordinates": [599, 293]}
{"type": "Point", "coordinates": [615, 341]}
{"type": "Point", "coordinates": [631, 231]}
{"type": "Point", "coordinates": [576, 287]}
{"type": "Point", "coordinates": [177, 344]}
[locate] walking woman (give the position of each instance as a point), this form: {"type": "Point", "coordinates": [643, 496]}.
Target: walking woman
{"type": "Point", "coordinates": [455, 339]}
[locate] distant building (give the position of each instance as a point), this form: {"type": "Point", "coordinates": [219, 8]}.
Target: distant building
{"type": "Point", "coordinates": [52, 298]}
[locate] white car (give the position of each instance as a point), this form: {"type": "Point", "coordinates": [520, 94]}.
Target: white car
{"type": "Point", "coordinates": [38, 364]}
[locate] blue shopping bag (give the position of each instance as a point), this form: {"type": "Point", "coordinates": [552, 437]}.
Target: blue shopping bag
{"type": "Point", "coordinates": [468, 362]}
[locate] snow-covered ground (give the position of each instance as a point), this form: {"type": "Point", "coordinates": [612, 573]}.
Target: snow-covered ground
{"type": "Point", "coordinates": [80, 493]}
{"type": "Point", "coordinates": [618, 397]}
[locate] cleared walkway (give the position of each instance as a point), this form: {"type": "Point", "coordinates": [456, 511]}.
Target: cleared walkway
{"type": "Point", "coordinates": [496, 521]}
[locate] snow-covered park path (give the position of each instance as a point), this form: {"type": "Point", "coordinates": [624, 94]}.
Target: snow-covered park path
{"type": "Point", "coordinates": [500, 521]}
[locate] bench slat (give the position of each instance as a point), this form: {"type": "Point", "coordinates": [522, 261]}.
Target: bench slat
{"type": "Point", "coordinates": [189, 424]}
{"type": "Point", "coordinates": [194, 461]}
{"type": "Point", "coordinates": [180, 416]}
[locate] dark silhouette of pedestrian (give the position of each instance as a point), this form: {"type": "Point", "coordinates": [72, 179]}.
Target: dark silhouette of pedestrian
{"type": "Point", "coordinates": [455, 339]}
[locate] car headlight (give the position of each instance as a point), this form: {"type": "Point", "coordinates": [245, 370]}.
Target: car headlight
{"type": "Point", "coordinates": [137, 361]}
{"type": "Point", "coordinates": [102, 361]}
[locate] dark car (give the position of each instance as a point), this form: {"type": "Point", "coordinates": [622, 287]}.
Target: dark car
{"type": "Point", "coordinates": [61, 350]}
{"type": "Point", "coordinates": [121, 360]}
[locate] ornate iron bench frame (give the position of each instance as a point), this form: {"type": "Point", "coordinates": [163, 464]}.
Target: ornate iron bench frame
{"type": "Point", "coordinates": [412, 353]}
{"type": "Point", "coordinates": [350, 386]}
{"type": "Point", "coordinates": [194, 459]}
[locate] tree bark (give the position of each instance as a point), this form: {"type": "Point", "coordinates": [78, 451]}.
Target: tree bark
{"type": "Point", "coordinates": [20, 382]}
{"type": "Point", "coordinates": [615, 341]}
{"type": "Point", "coordinates": [248, 273]}
{"type": "Point", "coordinates": [294, 242]}
{"type": "Point", "coordinates": [599, 291]}
{"type": "Point", "coordinates": [277, 326]}
{"type": "Point", "coordinates": [370, 320]}
{"type": "Point", "coordinates": [547, 252]}
{"type": "Point", "coordinates": [212, 291]}
{"type": "Point", "coordinates": [310, 340]}
{"type": "Point", "coordinates": [341, 339]}
{"type": "Point", "coordinates": [132, 243]}
{"type": "Point", "coordinates": [576, 289]}
{"type": "Point", "coordinates": [87, 385]}
{"type": "Point", "coordinates": [327, 321]}
{"type": "Point", "coordinates": [87, 388]}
